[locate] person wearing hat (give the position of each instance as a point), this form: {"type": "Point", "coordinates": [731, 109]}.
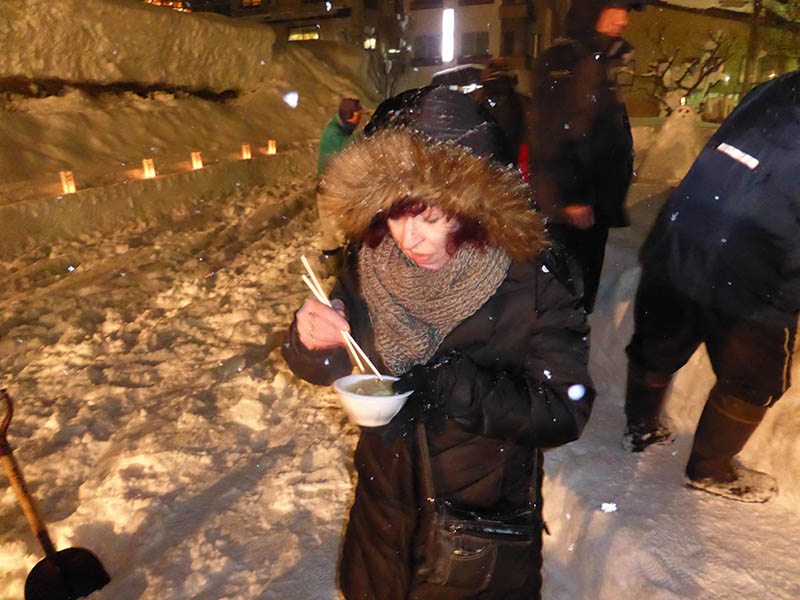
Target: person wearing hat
{"type": "Point", "coordinates": [581, 149]}
{"type": "Point", "coordinates": [511, 109]}
{"type": "Point", "coordinates": [449, 283]}
{"type": "Point", "coordinates": [336, 135]}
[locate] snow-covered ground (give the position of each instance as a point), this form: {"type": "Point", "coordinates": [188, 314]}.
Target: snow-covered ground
{"type": "Point", "coordinates": [156, 422]}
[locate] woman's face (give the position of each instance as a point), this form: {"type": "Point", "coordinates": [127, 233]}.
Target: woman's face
{"type": "Point", "coordinates": [423, 237]}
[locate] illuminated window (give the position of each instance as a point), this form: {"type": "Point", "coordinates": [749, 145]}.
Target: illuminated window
{"type": "Point", "coordinates": [427, 46]}
{"type": "Point", "coordinates": [475, 43]}
{"type": "Point", "coordinates": [297, 34]}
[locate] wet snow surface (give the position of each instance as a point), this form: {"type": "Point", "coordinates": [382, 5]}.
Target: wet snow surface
{"type": "Point", "coordinates": [152, 423]}
{"type": "Point", "coordinates": [156, 423]}
{"type": "Point", "coordinates": [159, 427]}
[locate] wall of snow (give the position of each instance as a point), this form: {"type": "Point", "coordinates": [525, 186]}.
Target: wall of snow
{"type": "Point", "coordinates": [145, 203]}
{"type": "Point", "coordinates": [38, 38]}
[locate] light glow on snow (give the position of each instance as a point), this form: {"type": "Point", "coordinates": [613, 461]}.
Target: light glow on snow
{"type": "Point", "coordinates": [67, 182]}
{"type": "Point", "coordinates": [148, 168]}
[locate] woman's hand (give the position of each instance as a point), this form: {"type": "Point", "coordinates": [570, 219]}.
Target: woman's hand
{"type": "Point", "coordinates": [320, 327]}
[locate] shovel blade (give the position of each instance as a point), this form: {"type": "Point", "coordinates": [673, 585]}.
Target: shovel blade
{"type": "Point", "coordinates": [68, 574]}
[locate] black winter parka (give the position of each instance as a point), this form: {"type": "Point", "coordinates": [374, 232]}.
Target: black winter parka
{"type": "Point", "coordinates": [516, 380]}
{"type": "Point", "coordinates": [521, 383]}
{"type": "Point", "coordinates": [729, 235]}
{"type": "Point", "coordinates": [581, 147]}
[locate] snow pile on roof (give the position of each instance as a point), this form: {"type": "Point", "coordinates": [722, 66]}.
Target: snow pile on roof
{"type": "Point", "coordinates": [214, 53]}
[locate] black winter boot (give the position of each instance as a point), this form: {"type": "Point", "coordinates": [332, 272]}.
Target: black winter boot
{"type": "Point", "coordinates": [724, 428]}
{"type": "Point", "coordinates": [644, 399]}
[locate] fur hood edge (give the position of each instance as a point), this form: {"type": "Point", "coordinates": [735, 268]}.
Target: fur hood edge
{"type": "Point", "coordinates": [369, 176]}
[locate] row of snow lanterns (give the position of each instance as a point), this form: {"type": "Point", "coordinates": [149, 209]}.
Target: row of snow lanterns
{"type": "Point", "coordinates": [149, 168]}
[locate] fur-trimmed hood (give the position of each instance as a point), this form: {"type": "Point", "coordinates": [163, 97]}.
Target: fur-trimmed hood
{"type": "Point", "coordinates": [369, 176]}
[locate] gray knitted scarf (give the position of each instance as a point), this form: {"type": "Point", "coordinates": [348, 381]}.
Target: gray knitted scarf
{"type": "Point", "coordinates": [413, 309]}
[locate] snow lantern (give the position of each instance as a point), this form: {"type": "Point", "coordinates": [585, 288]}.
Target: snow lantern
{"type": "Point", "coordinates": [148, 168]}
{"type": "Point", "coordinates": [67, 182]}
{"type": "Point", "coordinates": [246, 153]}
{"type": "Point", "coordinates": [272, 147]}
{"type": "Point", "coordinates": [197, 160]}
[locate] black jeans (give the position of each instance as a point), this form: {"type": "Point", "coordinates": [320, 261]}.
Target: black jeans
{"type": "Point", "coordinates": [586, 248]}
{"type": "Point", "coordinates": [752, 359]}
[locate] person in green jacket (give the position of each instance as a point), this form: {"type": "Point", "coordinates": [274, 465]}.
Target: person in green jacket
{"type": "Point", "coordinates": [336, 135]}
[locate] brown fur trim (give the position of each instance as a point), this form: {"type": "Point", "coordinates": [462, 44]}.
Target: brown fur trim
{"type": "Point", "coordinates": [371, 175]}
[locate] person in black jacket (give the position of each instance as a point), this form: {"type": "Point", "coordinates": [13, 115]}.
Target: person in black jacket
{"type": "Point", "coordinates": [581, 150]}
{"type": "Point", "coordinates": [722, 266]}
{"type": "Point", "coordinates": [450, 285]}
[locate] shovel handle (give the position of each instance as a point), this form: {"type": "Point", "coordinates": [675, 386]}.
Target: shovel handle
{"type": "Point", "coordinates": [18, 481]}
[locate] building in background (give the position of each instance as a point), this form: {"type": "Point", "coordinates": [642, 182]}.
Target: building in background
{"type": "Point", "coordinates": [708, 57]}
{"type": "Point", "coordinates": [703, 57]}
{"type": "Point", "coordinates": [359, 22]}
{"type": "Point", "coordinates": [448, 34]}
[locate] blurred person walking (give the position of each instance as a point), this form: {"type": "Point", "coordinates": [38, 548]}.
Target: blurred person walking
{"type": "Point", "coordinates": [581, 150]}
{"type": "Point", "coordinates": [336, 135]}
{"type": "Point", "coordinates": [450, 284]}
{"type": "Point", "coordinates": [722, 267]}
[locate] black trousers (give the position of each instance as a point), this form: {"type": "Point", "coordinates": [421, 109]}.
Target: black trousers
{"type": "Point", "coordinates": [586, 248]}
{"type": "Point", "coordinates": [751, 359]}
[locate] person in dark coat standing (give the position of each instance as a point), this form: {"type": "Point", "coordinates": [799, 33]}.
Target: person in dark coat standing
{"type": "Point", "coordinates": [722, 267]}
{"type": "Point", "coordinates": [449, 284]}
{"type": "Point", "coordinates": [581, 150]}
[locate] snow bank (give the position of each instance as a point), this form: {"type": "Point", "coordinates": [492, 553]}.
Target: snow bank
{"type": "Point", "coordinates": [38, 39]}
{"type": "Point", "coordinates": [103, 138]}
{"type": "Point", "coordinates": [143, 203]}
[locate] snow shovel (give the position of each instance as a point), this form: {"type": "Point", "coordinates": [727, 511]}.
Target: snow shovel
{"type": "Point", "coordinates": [64, 575]}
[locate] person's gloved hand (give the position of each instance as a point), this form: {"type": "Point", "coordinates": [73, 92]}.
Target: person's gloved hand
{"type": "Point", "coordinates": [424, 402]}
{"type": "Point", "coordinates": [420, 380]}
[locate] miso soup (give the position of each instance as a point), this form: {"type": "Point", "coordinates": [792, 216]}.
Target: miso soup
{"type": "Point", "coordinates": [372, 387]}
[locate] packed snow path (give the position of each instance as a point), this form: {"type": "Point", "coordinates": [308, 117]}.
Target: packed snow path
{"type": "Point", "coordinates": [150, 420]}
{"type": "Point", "coordinates": [158, 426]}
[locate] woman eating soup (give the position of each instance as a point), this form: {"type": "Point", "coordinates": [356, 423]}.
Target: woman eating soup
{"type": "Point", "coordinates": [449, 284]}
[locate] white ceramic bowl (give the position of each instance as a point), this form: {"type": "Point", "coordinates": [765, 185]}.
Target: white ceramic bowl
{"type": "Point", "coordinates": [368, 411]}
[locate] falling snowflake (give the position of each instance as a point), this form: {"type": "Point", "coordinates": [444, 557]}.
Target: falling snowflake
{"type": "Point", "coordinates": [576, 392]}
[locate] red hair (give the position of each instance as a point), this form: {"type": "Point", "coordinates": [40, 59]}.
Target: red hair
{"type": "Point", "coordinates": [469, 231]}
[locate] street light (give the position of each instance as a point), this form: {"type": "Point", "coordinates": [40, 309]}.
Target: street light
{"type": "Point", "coordinates": [448, 34]}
